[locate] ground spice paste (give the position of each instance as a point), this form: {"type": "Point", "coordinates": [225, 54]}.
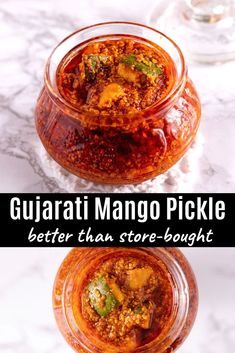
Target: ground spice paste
{"type": "Point", "coordinates": [127, 301]}
{"type": "Point", "coordinates": [115, 76]}
{"type": "Point", "coordinates": [105, 125]}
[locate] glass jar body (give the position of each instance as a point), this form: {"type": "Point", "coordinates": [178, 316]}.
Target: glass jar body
{"type": "Point", "coordinates": [129, 150]}
{"type": "Point", "coordinates": [75, 267]}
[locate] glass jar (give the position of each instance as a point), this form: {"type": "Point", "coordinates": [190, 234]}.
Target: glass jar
{"type": "Point", "coordinates": [76, 268]}
{"type": "Point", "coordinates": [118, 149]}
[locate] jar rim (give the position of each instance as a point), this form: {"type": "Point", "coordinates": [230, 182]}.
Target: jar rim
{"type": "Point", "coordinates": [159, 105]}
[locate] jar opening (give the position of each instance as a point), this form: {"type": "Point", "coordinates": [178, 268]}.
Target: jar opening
{"type": "Point", "coordinates": [180, 297]}
{"type": "Point", "coordinates": [111, 30]}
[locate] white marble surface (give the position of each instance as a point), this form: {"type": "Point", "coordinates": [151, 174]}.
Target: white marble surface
{"type": "Point", "coordinates": [27, 324]}
{"type": "Point", "coordinates": [29, 31]}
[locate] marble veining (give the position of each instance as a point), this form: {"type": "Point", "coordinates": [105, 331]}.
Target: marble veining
{"type": "Point", "coordinates": [29, 31]}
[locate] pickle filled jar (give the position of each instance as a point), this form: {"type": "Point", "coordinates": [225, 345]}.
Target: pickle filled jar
{"type": "Point", "coordinates": [117, 106]}
{"type": "Point", "coordinates": [125, 300]}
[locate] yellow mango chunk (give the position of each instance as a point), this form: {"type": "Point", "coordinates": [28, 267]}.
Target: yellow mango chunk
{"type": "Point", "coordinates": [138, 277]}
{"type": "Point", "coordinates": [146, 321]}
{"type": "Point", "coordinates": [116, 291]}
{"type": "Point", "coordinates": [110, 93]}
{"type": "Point", "coordinates": [126, 72]}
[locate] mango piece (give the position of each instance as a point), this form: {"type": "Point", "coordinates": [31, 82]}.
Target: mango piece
{"type": "Point", "coordinates": [146, 321]}
{"type": "Point", "coordinates": [138, 277]}
{"type": "Point", "coordinates": [111, 93]}
{"type": "Point", "coordinates": [93, 64]}
{"type": "Point", "coordinates": [146, 66]}
{"type": "Point", "coordinates": [116, 290]}
{"type": "Point", "coordinates": [127, 73]}
{"type": "Point", "coordinates": [145, 315]}
{"type": "Point", "coordinates": [101, 298]}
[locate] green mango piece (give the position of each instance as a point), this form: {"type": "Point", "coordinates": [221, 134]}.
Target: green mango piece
{"type": "Point", "coordinates": [98, 288]}
{"type": "Point", "coordinates": [148, 68]}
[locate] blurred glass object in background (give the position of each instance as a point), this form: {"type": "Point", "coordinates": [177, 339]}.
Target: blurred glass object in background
{"type": "Point", "coordinates": [204, 29]}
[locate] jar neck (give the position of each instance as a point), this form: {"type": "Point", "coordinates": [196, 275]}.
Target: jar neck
{"type": "Point", "coordinates": [180, 300]}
